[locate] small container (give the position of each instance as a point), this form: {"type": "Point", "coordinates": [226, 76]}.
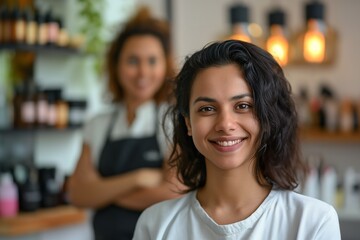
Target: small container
{"type": "Point", "coordinates": [31, 28]}
{"type": "Point", "coordinates": [41, 108]}
{"type": "Point", "coordinates": [77, 112]}
{"type": "Point", "coordinates": [9, 205]}
{"type": "Point", "coordinates": [28, 106]}
{"type": "Point", "coordinates": [42, 33]}
{"type": "Point", "coordinates": [29, 193]}
{"type": "Point", "coordinates": [20, 27]}
{"type": "Point", "coordinates": [5, 110]}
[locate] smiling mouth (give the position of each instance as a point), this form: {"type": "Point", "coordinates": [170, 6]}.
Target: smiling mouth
{"type": "Point", "coordinates": [229, 143]}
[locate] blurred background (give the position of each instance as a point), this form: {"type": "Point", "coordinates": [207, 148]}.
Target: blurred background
{"type": "Point", "coordinates": [51, 54]}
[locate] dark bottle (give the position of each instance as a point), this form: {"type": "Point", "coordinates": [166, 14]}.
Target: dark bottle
{"type": "Point", "coordinates": [17, 104]}
{"type": "Point", "coordinates": [2, 10]}
{"type": "Point", "coordinates": [6, 22]}
{"type": "Point", "coordinates": [29, 192]}
{"type": "Point", "coordinates": [49, 187]}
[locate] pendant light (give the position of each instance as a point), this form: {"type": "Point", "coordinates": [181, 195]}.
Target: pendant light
{"type": "Point", "coordinates": [277, 44]}
{"type": "Point", "coordinates": [239, 19]}
{"type": "Point", "coordinates": [314, 38]}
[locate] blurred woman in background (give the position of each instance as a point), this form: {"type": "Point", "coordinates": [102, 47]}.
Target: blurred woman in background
{"type": "Point", "coordinates": [122, 168]}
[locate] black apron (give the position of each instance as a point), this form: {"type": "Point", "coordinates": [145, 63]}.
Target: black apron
{"type": "Point", "coordinates": [117, 157]}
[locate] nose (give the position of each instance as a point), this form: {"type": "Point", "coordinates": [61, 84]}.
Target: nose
{"type": "Point", "coordinates": [226, 121]}
{"type": "Point", "coordinates": [143, 69]}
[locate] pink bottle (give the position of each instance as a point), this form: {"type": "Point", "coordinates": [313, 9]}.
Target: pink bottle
{"type": "Point", "coordinates": [8, 196]}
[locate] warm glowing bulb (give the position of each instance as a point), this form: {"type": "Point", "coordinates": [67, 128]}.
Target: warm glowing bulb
{"type": "Point", "coordinates": [314, 44]}
{"type": "Point", "coordinates": [239, 32]}
{"type": "Point", "coordinates": [278, 46]}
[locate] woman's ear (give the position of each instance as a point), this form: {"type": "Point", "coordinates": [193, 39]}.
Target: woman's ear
{"type": "Point", "coordinates": [188, 125]}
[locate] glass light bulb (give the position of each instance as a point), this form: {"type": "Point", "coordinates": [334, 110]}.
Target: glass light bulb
{"type": "Point", "coordinates": [277, 45]}
{"type": "Point", "coordinates": [314, 43]}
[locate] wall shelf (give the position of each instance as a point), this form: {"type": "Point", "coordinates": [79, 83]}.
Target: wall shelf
{"type": "Point", "coordinates": [38, 130]}
{"type": "Point", "coordinates": [39, 49]}
{"type": "Point", "coordinates": [41, 220]}
{"type": "Point", "coordinates": [326, 136]}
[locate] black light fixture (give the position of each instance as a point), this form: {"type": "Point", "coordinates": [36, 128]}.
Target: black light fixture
{"type": "Point", "coordinates": [239, 19]}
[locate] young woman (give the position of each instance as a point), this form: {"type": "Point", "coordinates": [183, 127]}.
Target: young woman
{"type": "Point", "coordinates": [121, 170]}
{"type": "Point", "coordinates": [237, 151]}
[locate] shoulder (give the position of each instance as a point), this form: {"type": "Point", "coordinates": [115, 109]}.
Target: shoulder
{"type": "Point", "coordinates": [168, 207]}
{"type": "Point", "coordinates": [302, 201]}
{"type": "Point", "coordinates": [313, 218]}
{"type": "Point", "coordinates": [97, 123]}
{"type": "Point", "coordinates": [161, 214]}
{"type": "Point", "coordinates": [307, 208]}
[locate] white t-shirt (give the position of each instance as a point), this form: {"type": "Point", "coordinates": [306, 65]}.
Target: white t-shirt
{"type": "Point", "coordinates": [95, 130]}
{"type": "Point", "coordinates": [284, 215]}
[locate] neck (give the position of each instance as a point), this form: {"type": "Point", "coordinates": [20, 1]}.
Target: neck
{"type": "Point", "coordinates": [131, 108]}
{"type": "Point", "coordinates": [231, 196]}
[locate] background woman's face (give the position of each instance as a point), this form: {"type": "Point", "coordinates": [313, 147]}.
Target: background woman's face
{"type": "Point", "coordinates": [141, 67]}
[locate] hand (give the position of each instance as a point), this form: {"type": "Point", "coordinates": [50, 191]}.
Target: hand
{"type": "Point", "coordinates": [149, 177]}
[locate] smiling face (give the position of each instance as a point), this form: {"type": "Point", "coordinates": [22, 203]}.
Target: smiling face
{"type": "Point", "coordinates": [141, 68]}
{"type": "Point", "coordinates": [221, 119]}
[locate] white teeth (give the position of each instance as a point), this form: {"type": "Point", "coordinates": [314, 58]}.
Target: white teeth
{"type": "Point", "coordinates": [228, 143]}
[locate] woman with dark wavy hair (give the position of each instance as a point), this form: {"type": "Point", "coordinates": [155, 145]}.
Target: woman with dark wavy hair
{"type": "Point", "coordinates": [236, 148]}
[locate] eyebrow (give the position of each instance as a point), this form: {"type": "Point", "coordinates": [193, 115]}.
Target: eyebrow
{"type": "Point", "coordinates": [211, 100]}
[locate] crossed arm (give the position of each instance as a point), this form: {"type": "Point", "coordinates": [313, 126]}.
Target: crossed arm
{"type": "Point", "coordinates": [134, 190]}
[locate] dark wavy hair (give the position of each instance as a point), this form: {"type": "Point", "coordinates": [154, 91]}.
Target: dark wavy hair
{"type": "Point", "coordinates": [141, 24]}
{"type": "Point", "coordinates": [277, 157]}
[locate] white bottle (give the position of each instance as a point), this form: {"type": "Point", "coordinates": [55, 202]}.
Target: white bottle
{"type": "Point", "coordinates": [9, 203]}
{"type": "Point", "coordinates": [352, 196]}
{"type": "Point", "coordinates": [312, 184]}
{"type": "Point", "coordinates": [328, 184]}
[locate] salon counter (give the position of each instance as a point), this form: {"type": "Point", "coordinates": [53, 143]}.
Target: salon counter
{"type": "Point", "coordinates": [41, 221]}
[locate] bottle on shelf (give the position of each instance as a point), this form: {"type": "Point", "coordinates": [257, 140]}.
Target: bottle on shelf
{"type": "Point", "coordinates": [28, 106]}
{"type": "Point", "coordinates": [5, 110]}
{"type": "Point", "coordinates": [9, 205]}
{"type": "Point", "coordinates": [63, 38]}
{"type": "Point", "coordinates": [31, 28]}
{"type": "Point", "coordinates": [18, 99]}
{"type": "Point", "coordinates": [328, 185]}
{"type": "Point", "coordinates": [29, 192]}
{"type": "Point", "coordinates": [19, 26]}
{"type": "Point", "coordinates": [42, 33]}
{"type": "Point", "coordinates": [52, 29]}
{"type": "Point", "coordinates": [42, 108]}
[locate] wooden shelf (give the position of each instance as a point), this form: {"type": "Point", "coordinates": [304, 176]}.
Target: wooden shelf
{"type": "Point", "coordinates": [41, 220]}
{"type": "Point", "coordinates": [39, 48]}
{"type": "Point", "coordinates": [39, 130]}
{"type": "Point", "coordinates": [322, 135]}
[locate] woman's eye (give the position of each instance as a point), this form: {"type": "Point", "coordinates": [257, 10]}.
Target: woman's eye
{"type": "Point", "coordinates": [133, 61]}
{"type": "Point", "coordinates": [206, 109]}
{"type": "Point", "coordinates": [152, 61]}
{"type": "Point", "coordinates": [243, 106]}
